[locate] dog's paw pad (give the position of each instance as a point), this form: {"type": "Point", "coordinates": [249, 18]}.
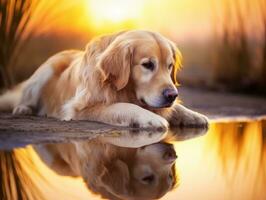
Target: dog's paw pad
{"type": "Point", "coordinates": [22, 110]}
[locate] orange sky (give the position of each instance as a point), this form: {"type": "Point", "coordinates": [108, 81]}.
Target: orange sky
{"type": "Point", "coordinates": [177, 18]}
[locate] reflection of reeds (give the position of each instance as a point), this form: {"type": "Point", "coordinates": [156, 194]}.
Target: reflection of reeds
{"type": "Point", "coordinates": [233, 66]}
{"type": "Point", "coordinates": [16, 184]}
{"type": "Point", "coordinates": [229, 140]}
{"type": "Point", "coordinates": [241, 150]}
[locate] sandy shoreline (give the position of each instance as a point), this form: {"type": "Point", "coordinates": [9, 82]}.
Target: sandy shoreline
{"type": "Point", "coordinates": [217, 105]}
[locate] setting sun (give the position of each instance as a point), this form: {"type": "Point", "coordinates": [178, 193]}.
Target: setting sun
{"type": "Point", "coordinates": [113, 12]}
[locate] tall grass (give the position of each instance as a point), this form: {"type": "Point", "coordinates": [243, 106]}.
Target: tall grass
{"type": "Point", "coordinates": [262, 7]}
{"type": "Point", "coordinates": [19, 21]}
{"type": "Point", "coordinates": [15, 17]}
{"type": "Point", "coordinates": [235, 64]}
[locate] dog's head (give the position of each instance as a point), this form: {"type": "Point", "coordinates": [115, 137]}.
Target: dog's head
{"type": "Point", "coordinates": [146, 61]}
{"type": "Point", "coordinates": [143, 173]}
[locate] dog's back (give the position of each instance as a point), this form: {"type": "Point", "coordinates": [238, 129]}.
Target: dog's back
{"type": "Point", "coordinates": [33, 87]}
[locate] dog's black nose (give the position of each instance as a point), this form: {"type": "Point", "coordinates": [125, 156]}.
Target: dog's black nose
{"type": "Point", "coordinates": [170, 155]}
{"type": "Point", "coordinates": [170, 94]}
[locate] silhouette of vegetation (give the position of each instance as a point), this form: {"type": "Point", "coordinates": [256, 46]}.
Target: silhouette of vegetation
{"type": "Point", "coordinates": [234, 66]}
{"type": "Point", "coordinates": [262, 5]}
{"type": "Point", "coordinates": [19, 21]}
{"type": "Point", "coordinates": [15, 18]}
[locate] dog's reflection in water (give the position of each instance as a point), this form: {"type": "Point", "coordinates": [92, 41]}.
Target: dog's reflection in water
{"type": "Point", "coordinates": [131, 166]}
{"type": "Point", "coordinates": [124, 165]}
{"type": "Point", "coordinates": [114, 172]}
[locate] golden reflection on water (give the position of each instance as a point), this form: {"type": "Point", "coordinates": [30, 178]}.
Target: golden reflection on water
{"type": "Point", "coordinates": [36, 181]}
{"type": "Point", "coordinates": [227, 163]}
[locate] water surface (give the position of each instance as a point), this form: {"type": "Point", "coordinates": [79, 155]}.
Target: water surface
{"type": "Point", "coordinates": [227, 162]}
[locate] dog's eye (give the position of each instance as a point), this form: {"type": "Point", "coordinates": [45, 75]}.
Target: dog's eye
{"type": "Point", "coordinates": [148, 65]}
{"type": "Point", "coordinates": [148, 179]}
{"type": "Point", "coordinates": [170, 66]}
{"type": "Point", "coordinates": [171, 177]}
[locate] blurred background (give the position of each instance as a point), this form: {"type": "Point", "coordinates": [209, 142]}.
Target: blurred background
{"type": "Point", "coordinates": [223, 42]}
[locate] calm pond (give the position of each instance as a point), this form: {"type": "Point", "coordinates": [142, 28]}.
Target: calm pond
{"type": "Point", "coordinates": [226, 162]}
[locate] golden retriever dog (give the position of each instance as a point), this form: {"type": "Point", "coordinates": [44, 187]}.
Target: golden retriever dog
{"type": "Point", "coordinates": [124, 79]}
{"type": "Point", "coordinates": [114, 172]}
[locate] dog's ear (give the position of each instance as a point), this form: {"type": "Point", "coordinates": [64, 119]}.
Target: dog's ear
{"type": "Point", "coordinates": [116, 62]}
{"type": "Point", "coordinates": [115, 178]}
{"type": "Point", "coordinates": [178, 61]}
{"type": "Point", "coordinates": [99, 44]}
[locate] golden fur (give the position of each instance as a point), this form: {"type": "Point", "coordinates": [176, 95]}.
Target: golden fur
{"type": "Point", "coordinates": [114, 172]}
{"type": "Point", "coordinates": [108, 83]}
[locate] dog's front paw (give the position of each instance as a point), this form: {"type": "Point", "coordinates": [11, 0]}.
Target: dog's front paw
{"type": "Point", "coordinates": [194, 119]}
{"type": "Point", "coordinates": [184, 117]}
{"type": "Point", "coordinates": [22, 110]}
{"type": "Point", "coordinates": [149, 120]}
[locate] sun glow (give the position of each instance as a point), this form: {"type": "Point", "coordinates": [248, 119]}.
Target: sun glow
{"type": "Point", "coordinates": [174, 18]}
{"type": "Point", "coordinates": [109, 13]}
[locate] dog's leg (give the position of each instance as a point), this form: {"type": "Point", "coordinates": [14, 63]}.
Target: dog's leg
{"type": "Point", "coordinates": [182, 116]}
{"type": "Point", "coordinates": [120, 114]}
{"type": "Point", "coordinates": [31, 91]}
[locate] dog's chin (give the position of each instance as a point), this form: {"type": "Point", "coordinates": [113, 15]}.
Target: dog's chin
{"type": "Point", "coordinates": [148, 106]}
